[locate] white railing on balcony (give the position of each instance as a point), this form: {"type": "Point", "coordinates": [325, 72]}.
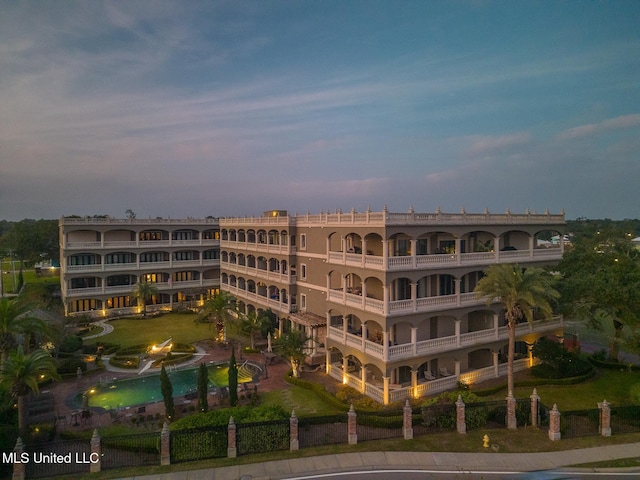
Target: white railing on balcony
{"type": "Point", "coordinates": [259, 247]}
{"type": "Point", "coordinates": [124, 245]}
{"type": "Point", "coordinates": [439, 260]}
{"type": "Point", "coordinates": [437, 345]}
{"type": "Point", "coordinates": [136, 221]}
{"type": "Point", "coordinates": [257, 272]}
{"type": "Point", "coordinates": [146, 266]}
{"type": "Point", "coordinates": [272, 303]}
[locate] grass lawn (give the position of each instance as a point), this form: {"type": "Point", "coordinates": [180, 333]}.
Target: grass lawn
{"type": "Point", "coordinates": [610, 385]}
{"type": "Point", "coordinates": [302, 400]}
{"type": "Point", "coordinates": [179, 326]}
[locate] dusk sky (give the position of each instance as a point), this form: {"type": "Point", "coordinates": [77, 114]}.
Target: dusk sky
{"type": "Point", "coordinates": [224, 108]}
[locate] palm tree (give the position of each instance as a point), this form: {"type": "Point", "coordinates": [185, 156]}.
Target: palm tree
{"type": "Point", "coordinates": [143, 292]}
{"type": "Point", "coordinates": [16, 319]}
{"type": "Point", "coordinates": [520, 292]}
{"type": "Point", "coordinates": [218, 309]}
{"type": "Point", "coordinates": [292, 345]}
{"type": "Point", "coordinates": [20, 374]}
{"type": "Point", "coordinates": [248, 325]}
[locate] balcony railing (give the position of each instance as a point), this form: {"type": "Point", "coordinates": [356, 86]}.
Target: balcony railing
{"type": "Point", "coordinates": [272, 303]}
{"type": "Point", "coordinates": [255, 272]}
{"type": "Point", "coordinates": [433, 346]}
{"type": "Point", "coordinates": [259, 247]}
{"type": "Point", "coordinates": [175, 286]}
{"type": "Point", "coordinates": [146, 266]}
{"type": "Point", "coordinates": [422, 262]}
{"type": "Point", "coordinates": [123, 245]}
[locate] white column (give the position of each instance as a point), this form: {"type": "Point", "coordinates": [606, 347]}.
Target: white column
{"type": "Point", "coordinates": [414, 296]}
{"type": "Point", "coordinates": [457, 330]}
{"type": "Point", "coordinates": [531, 246]}
{"type": "Point", "coordinates": [385, 390]}
{"type": "Point", "coordinates": [385, 254]}
{"type": "Point", "coordinates": [496, 363]}
{"type": "Point", "coordinates": [363, 377]}
{"type": "Point", "coordinates": [364, 335]}
{"type": "Point", "coordinates": [413, 242]}
{"type": "Point", "coordinates": [385, 346]}
{"type": "Point", "coordinates": [414, 340]}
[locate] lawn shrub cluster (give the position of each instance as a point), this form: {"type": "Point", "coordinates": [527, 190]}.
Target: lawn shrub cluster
{"type": "Point", "coordinates": [600, 362]}
{"type": "Point", "coordinates": [440, 411]}
{"type": "Point", "coordinates": [557, 361]}
{"type": "Point", "coordinates": [221, 416]}
{"type": "Point", "coordinates": [172, 359]}
{"type": "Point", "coordinates": [70, 365]}
{"type": "Point", "coordinates": [138, 349]}
{"type": "Point", "coordinates": [70, 344]}
{"type": "Point", "coordinates": [351, 396]}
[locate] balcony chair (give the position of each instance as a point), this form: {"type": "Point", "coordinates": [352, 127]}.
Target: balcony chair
{"type": "Point", "coordinates": [445, 373]}
{"type": "Point", "coordinates": [428, 375]}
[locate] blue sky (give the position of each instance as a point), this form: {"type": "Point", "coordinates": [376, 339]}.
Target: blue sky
{"type": "Point", "coordinates": [232, 107]}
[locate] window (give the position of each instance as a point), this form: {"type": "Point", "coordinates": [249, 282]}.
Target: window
{"type": "Point", "coordinates": [303, 271]}
{"type": "Point", "coordinates": [303, 302]}
{"type": "Point", "coordinates": [303, 241]}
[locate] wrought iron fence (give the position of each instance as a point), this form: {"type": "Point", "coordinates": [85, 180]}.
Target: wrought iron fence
{"type": "Point", "coordinates": [198, 444]}
{"type": "Point", "coordinates": [131, 450]}
{"type": "Point", "coordinates": [380, 425]}
{"type": "Point", "coordinates": [76, 455]}
{"type": "Point", "coordinates": [325, 430]}
{"type": "Point", "coordinates": [580, 423]}
{"type": "Point", "coordinates": [262, 437]}
{"type": "Point", "coordinates": [625, 419]}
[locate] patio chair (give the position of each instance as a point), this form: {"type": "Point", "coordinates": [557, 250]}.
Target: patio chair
{"type": "Point", "coordinates": [444, 372]}
{"type": "Point", "coordinates": [428, 375]}
{"type": "Point", "coordinates": [142, 409]}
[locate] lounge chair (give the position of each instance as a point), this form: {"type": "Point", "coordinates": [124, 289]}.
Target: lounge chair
{"type": "Point", "coordinates": [445, 373]}
{"type": "Point", "coordinates": [429, 375]}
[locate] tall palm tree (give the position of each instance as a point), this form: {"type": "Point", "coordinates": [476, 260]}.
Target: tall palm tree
{"type": "Point", "coordinates": [520, 291]}
{"type": "Point", "coordinates": [143, 292]}
{"type": "Point", "coordinates": [218, 309]}
{"type": "Point", "coordinates": [247, 325]}
{"type": "Point", "coordinates": [293, 346]}
{"type": "Point", "coordinates": [20, 374]}
{"type": "Point", "coordinates": [16, 319]}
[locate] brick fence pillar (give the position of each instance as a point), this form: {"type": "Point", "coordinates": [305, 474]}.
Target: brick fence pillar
{"type": "Point", "coordinates": [232, 450]}
{"type": "Point", "coordinates": [165, 445]}
{"type": "Point", "coordinates": [407, 421]}
{"type": "Point", "coordinates": [96, 452]}
{"type": "Point", "coordinates": [512, 422]}
{"type": "Point", "coordinates": [605, 418]}
{"type": "Point", "coordinates": [461, 424]}
{"type": "Point", "coordinates": [352, 426]}
{"type": "Point", "coordinates": [535, 401]}
{"type": "Point", "coordinates": [18, 466]}
{"type": "Point", "coordinates": [554, 424]}
{"type": "Point", "coordinates": [294, 444]}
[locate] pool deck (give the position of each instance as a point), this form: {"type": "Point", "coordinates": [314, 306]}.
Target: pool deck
{"type": "Point", "coordinates": [208, 351]}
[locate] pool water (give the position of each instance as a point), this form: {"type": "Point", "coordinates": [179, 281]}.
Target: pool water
{"type": "Point", "coordinates": [146, 389]}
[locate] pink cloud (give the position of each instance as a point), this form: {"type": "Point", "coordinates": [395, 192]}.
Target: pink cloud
{"type": "Point", "coordinates": [625, 121]}
{"type": "Point", "coordinates": [486, 144]}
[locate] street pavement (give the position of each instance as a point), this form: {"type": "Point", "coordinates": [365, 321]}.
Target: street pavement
{"type": "Point", "coordinates": [432, 461]}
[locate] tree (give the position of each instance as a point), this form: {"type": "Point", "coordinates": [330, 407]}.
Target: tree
{"type": "Point", "coordinates": [233, 380]}
{"type": "Point", "coordinates": [203, 387]}
{"type": "Point", "coordinates": [167, 393]}
{"type": "Point", "coordinates": [16, 319]}
{"type": "Point", "coordinates": [601, 284]}
{"type": "Point", "coordinates": [248, 325]}
{"type": "Point", "coordinates": [521, 292]}
{"type": "Point", "coordinates": [142, 292]}
{"type": "Point", "coordinates": [20, 374]}
{"type": "Point", "coordinates": [293, 346]}
{"type": "Point", "coordinates": [218, 309]}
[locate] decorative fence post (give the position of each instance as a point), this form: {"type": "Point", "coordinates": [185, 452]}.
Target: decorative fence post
{"type": "Point", "coordinates": [18, 466]}
{"type": "Point", "coordinates": [96, 452]}
{"type": "Point", "coordinates": [407, 421]}
{"type": "Point", "coordinates": [554, 424]}
{"type": "Point", "coordinates": [232, 450]}
{"type": "Point", "coordinates": [461, 424]}
{"type": "Point", "coordinates": [294, 444]}
{"type": "Point", "coordinates": [165, 445]}
{"type": "Point", "coordinates": [512, 422]}
{"type": "Point", "coordinates": [535, 401]}
{"type": "Point", "coordinates": [352, 426]}
{"type": "Point", "coordinates": [605, 418]}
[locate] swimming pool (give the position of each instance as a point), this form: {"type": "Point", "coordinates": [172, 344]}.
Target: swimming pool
{"type": "Point", "coordinates": [146, 389]}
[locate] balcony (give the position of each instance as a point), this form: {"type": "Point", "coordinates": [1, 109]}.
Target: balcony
{"type": "Point", "coordinates": [259, 247]}
{"type": "Point", "coordinates": [118, 245]}
{"type": "Point", "coordinates": [272, 303]}
{"type": "Point", "coordinates": [391, 353]}
{"type": "Point", "coordinates": [422, 262]}
{"type": "Point", "coordinates": [403, 307]}
{"type": "Point", "coordinates": [258, 273]}
{"type": "Point", "coordinates": [127, 289]}
{"type": "Point", "coordinates": [115, 267]}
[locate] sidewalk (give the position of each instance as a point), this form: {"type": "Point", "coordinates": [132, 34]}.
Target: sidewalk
{"type": "Point", "coordinates": [459, 462]}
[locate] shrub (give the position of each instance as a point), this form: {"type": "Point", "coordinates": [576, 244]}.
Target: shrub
{"type": "Point", "coordinates": [557, 362]}
{"type": "Point", "coordinates": [70, 365]}
{"type": "Point", "coordinates": [70, 344]}
{"type": "Point", "coordinates": [220, 417]}
{"type": "Point", "coordinates": [634, 394]}
{"type": "Point", "coordinates": [125, 362]}
{"type": "Point", "coordinates": [351, 396]}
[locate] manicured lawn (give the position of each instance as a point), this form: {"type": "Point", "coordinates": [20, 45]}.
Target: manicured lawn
{"type": "Point", "coordinates": [302, 400]}
{"type": "Point", "coordinates": [179, 326]}
{"type": "Point", "coordinates": [610, 385]}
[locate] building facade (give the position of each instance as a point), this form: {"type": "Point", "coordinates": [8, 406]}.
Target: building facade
{"type": "Point", "coordinates": [388, 297]}
{"type": "Point", "coordinates": [103, 258]}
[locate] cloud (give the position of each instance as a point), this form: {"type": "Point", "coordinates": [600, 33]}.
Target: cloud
{"type": "Point", "coordinates": [496, 143]}
{"type": "Point", "coordinates": [618, 123]}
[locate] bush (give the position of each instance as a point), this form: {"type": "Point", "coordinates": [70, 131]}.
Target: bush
{"type": "Point", "coordinates": [318, 389]}
{"type": "Point", "coordinates": [557, 362]}
{"type": "Point", "coordinates": [106, 348]}
{"type": "Point", "coordinates": [70, 365]}
{"type": "Point", "coordinates": [125, 362]}
{"type": "Point", "coordinates": [70, 344]}
{"type": "Point", "coordinates": [220, 417]}
{"type": "Point", "coordinates": [351, 396]}
{"type": "Point", "coordinates": [634, 394]}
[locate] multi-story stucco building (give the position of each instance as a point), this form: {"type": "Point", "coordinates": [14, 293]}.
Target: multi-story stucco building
{"type": "Point", "coordinates": [102, 258]}
{"type": "Point", "coordinates": [389, 296]}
